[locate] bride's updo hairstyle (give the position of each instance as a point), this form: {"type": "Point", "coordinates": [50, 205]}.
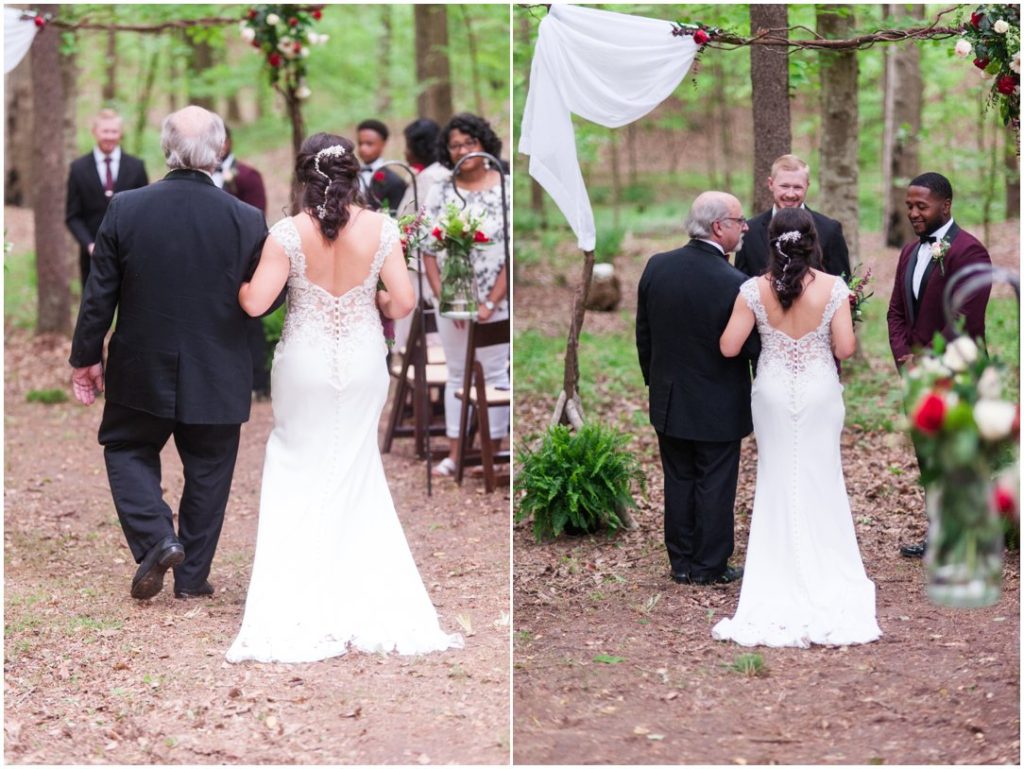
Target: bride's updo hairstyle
{"type": "Point", "coordinates": [793, 250]}
{"type": "Point", "coordinates": [329, 173]}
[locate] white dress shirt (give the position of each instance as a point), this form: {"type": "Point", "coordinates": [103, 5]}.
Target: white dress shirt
{"type": "Point", "coordinates": [101, 165]}
{"type": "Point", "coordinates": [924, 256]}
{"type": "Point", "coordinates": [367, 169]}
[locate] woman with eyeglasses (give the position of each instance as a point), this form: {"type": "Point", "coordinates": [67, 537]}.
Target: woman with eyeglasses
{"type": "Point", "coordinates": [479, 189]}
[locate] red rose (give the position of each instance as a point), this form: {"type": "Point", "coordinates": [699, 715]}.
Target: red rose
{"type": "Point", "coordinates": [274, 59]}
{"type": "Point", "coordinates": [1006, 84]}
{"type": "Point", "coordinates": [437, 233]}
{"type": "Point", "coordinates": [1003, 502]}
{"type": "Point", "coordinates": [39, 21]}
{"type": "Point", "coordinates": [700, 37]}
{"type": "Point", "coordinates": [253, 13]}
{"type": "Point", "coordinates": [378, 176]}
{"type": "Point", "coordinates": [976, 19]}
{"type": "Point", "coordinates": [293, 22]}
{"type": "Point", "coordinates": [317, 14]}
{"type": "Point", "coordinates": [479, 237]}
{"type": "Point", "coordinates": [255, 43]}
{"type": "Point", "coordinates": [297, 47]}
{"type": "Point", "coordinates": [981, 63]}
{"type": "Point", "coordinates": [930, 414]}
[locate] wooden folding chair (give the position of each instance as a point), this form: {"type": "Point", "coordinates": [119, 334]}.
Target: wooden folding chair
{"type": "Point", "coordinates": [423, 362]}
{"type": "Point", "coordinates": [477, 397]}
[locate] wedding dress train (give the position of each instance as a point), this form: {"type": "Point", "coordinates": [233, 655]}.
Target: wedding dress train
{"type": "Point", "coordinates": [332, 568]}
{"type": "Point", "coordinates": [803, 581]}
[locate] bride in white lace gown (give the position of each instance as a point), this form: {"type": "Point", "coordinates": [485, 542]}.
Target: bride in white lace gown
{"type": "Point", "coordinates": [332, 569]}
{"type": "Point", "coordinates": [804, 581]}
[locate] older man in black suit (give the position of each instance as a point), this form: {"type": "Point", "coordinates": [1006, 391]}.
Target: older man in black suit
{"type": "Point", "coordinates": [788, 183]}
{"type": "Point", "coordinates": [699, 399]}
{"type": "Point", "coordinates": [170, 258]}
{"type": "Point", "coordinates": [92, 181]}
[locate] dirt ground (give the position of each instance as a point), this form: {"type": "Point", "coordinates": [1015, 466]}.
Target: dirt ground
{"type": "Point", "coordinates": [93, 676]}
{"type": "Point", "coordinates": [614, 663]}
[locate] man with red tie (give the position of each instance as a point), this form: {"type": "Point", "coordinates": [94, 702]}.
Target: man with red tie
{"type": "Point", "coordinates": [94, 178]}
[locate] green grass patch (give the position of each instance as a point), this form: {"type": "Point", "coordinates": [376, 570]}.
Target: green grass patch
{"type": "Point", "coordinates": [608, 659]}
{"type": "Point", "coordinates": [749, 665]}
{"type": "Point", "coordinates": [20, 289]}
{"type": "Point", "coordinates": [49, 397]}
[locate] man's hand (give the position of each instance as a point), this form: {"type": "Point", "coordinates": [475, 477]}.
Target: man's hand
{"type": "Point", "coordinates": [86, 382]}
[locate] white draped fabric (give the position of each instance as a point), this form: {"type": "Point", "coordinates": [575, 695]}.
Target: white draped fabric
{"type": "Point", "coordinates": [18, 37]}
{"type": "Point", "coordinates": [610, 68]}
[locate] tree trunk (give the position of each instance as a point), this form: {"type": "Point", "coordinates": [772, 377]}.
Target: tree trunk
{"type": "Point", "coordinates": [839, 124]}
{"type": "Point", "coordinates": [632, 152]}
{"type": "Point", "coordinates": [536, 191]}
{"type": "Point", "coordinates": [432, 68]}
{"type": "Point", "coordinates": [53, 262]}
{"type": "Point", "coordinates": [294, 105]}
{"type": "Point", "coordinates": [110, 81]}
{"type": "Point", "coordinates": [234, 110]}
{"type": "Point", "coordinates": [901, 128]}
{"type": "Point", "coordinates": [201, 61]}
{"type": "Point", "coordinates": [769, 78]}
{"type": "Point", "coordinates": [145, 98]}
{"type": "Point", "coordinates": [18, 135]}
{"type": "Point", "coordinates": [721, 76]}
{"type": "Point", "coordinates": [1011, 162]}
{"type": "Point", "coordinates": [616, 179]}
{"type": "Point", "coordinates": [474, 62]}
{"type": "Point", "coordinates": [384, 54]}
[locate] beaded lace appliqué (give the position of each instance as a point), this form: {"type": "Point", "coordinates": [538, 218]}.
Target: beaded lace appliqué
{"type": "Point", "coordinates": [780, 353]}
{"type": "Point", "coordinates": [337, 324]}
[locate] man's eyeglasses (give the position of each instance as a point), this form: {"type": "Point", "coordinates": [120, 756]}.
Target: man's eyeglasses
{"type": "Point", "coordinates": [468, 145]}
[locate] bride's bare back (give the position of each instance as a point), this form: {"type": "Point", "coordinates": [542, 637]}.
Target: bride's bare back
{"type": "Point", "coordinates": [340, 266]}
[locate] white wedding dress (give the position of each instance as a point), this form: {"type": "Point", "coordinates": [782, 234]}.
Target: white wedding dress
{"type": "Point", "coordinates": [804, 581]}
{"type": "Point", "coordinates": [332, 568]}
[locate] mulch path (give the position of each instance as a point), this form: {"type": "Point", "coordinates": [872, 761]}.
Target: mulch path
{"type": "Point", "coordinates": [614, 663]}
{"type": "Point", "coordinates": [93, 676]}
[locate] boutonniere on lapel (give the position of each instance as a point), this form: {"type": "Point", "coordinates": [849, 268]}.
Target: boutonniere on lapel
{"type": "Point", "coordinates": [939, 250]}
{"type": "Point", "coordinates": [379, 176]}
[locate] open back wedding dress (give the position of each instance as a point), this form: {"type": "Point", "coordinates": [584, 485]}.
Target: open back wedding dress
{"type": "Point", "coordinates": [804, 581]}
{"type": "Point", "coordinates": [332, 568]}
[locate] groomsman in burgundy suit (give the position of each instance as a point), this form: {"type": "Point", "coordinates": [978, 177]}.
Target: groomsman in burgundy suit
{"type": "Point", "coordinates": [92, 181]}
{"type": "Point", "coordinates": [245, 183]}
{"type": "Point", "coordinates": [915, 309]}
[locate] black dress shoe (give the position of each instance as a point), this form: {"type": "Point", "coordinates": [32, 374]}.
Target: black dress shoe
{"type": "Point", "coordinates": [682, 577]}
{"type": "Point", "coordinates": [202, 591]}
{"type": "Point", "coordinates": [913, 551]}
{"type": "Point", "coordinates": [149, 579]}
{"type": "Point", "coordinates": [730, 574]}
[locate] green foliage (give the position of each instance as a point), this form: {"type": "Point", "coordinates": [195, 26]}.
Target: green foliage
{"type": "Point", "coordinates": [51, 396]}
{"type": "Point", "coordinates": [608, 659]}
{"type": "Point", "coordinates": [749, 665]}
{"type": "Point", "coordinates": [577, 481]}
{"type": "Point", "coordinates": [273, 324]}
{"type": "Point", "coordinates": [608, 244]}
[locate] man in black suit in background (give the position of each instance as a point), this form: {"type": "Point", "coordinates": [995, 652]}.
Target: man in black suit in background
{"type": "Point", "coordinates": [384, 188]}
{"type": "Point", "coordinates": [788, 183]}
{"type": "Point", "coordinates": [699, 399]}
{"type": "Point", "coordinates": [94, 178]}
{"type": "Point", "coordinates": [170, 259]}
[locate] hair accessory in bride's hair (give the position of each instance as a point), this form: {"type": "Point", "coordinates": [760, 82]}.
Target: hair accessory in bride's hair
{"type": "Point", "coordinates": [786, 237]}
{"type": "Point", "coordinates": [789, 236]}
{"type": "Point", "coordinates": [335, 150]}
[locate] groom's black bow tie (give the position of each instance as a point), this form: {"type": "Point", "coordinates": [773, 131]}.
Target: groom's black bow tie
{"type": "Point", "coordinates": [928, 239]}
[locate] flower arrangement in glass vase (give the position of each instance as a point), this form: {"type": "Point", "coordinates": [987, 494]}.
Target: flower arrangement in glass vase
{"type": "Point", "coordinates": [992, 38]}
{"type": "Point", "coordinates": [859, 294]}
{"type": "Point", "coordinates": [457, 232]}
{"type": "Point", "coordinates": [965, 430]}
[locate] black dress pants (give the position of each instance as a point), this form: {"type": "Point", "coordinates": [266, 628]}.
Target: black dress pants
{"type": "Point", "coordinates": [700, 492]}
{"type": "Point", "coordinates": [132, 441]}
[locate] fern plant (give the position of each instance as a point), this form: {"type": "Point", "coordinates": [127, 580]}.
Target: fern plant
{"type": "Point", "coordinates": [578, 481]}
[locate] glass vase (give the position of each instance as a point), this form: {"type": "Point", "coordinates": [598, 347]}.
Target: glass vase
{"type": "Point", "coordinates": [458, 285]}
{"type": "Point", "coordinates": [964, 554]}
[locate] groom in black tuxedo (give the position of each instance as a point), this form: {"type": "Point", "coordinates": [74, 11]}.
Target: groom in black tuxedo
{"type": "Point", "coordinates": [699, 399]}
{"type": "Point", "coordinates": [788, 183]}
{"type": "Point", "coordinates": [170, 258]}
{"type": "Point", "coordinates": [92, 181]}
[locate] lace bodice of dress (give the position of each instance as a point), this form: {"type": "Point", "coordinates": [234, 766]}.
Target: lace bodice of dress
{"type": "Point", "coordinates": [316, 315]}
{"type": "Point", "coordinates": [780, 353]}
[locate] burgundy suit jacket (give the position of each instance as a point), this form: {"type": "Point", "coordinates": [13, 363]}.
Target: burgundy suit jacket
{"type": "Point", "coordinates": [247, 186]}
{"type": "Point", "coordinates": [913, 323]}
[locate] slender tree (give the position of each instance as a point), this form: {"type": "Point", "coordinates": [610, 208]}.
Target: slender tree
{"type": "Point", "coordinates": [432, 68]}
{"type": "Point", "coordinates": [384, 55]}
{"type": "Point", "coordinates": [18, 135]}
{"type": "Point", "coordinates": [769, 78]}
{"type": "Point", "coordinates": [1011, 164]}
{"type": "Point", "coordinates": [110, 81]}
{"type": "Point", "coordinates": [839, 123]}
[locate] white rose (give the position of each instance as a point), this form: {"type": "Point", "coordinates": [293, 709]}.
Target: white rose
{"type": "Point", "coordinates": [1015, 62]}
{"type": "Point", "coordinates": [963, 49]}
{"type": "Point", "coordinates": [932, 366]}
{"type": "Point", "coordinates": [284, 47]}
{"type": "Point", "coordinates": [273, 19]}
{"type": "Point", "coordinates": [990, 386]}
{"type": "Point", "coordinates": [304, 53]}
{"type": "Point", "coordinates": [994, 418]}
{"type": "Point", "coordinates": [1001, 26]}
{"type": "Point", "coordinates": [312, 38]}
{"type": "Point", "coordinates": [323, 38]}
{"type": "Point", "coordinates": [303, 92]}
{"type": "Point", "coordinates": [960, 353]}
{"type": "Point", "coordinates": [936, 250]}
{"type": "Point", "coordinates": [248, 34]}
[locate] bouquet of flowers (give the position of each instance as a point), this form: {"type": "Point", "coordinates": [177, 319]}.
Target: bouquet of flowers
{"type": "Point", "coordinates": [458, 232]}
{"type": "Point", "coordinates": [992, 38]}
{"type": "Point", "coordinates": [858, 287]}
{"type": "Point", "coordinates": [283, 34]}
{"type": "Point", "coordinates": [965, 430]}
{"type": "Point", "coordinates": [413, 232]}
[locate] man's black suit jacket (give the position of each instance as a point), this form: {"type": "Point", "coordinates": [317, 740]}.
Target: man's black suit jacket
{"type": "Point", "coordinates": [386, 187]}
{"type": "Point", "coordinates": [170, 258]}
{"type": "Point", "coordinates": [753, 257]}
{"type": "Point", "coordinates": [87, 201]}
{"type": "Point", "coordinates": [684, 302]}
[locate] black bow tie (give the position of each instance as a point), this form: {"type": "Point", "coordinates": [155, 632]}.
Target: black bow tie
{"type": "Point", "coordinates": [928, 239]}
{"type": "Point", "coordinates": [366, 168]}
